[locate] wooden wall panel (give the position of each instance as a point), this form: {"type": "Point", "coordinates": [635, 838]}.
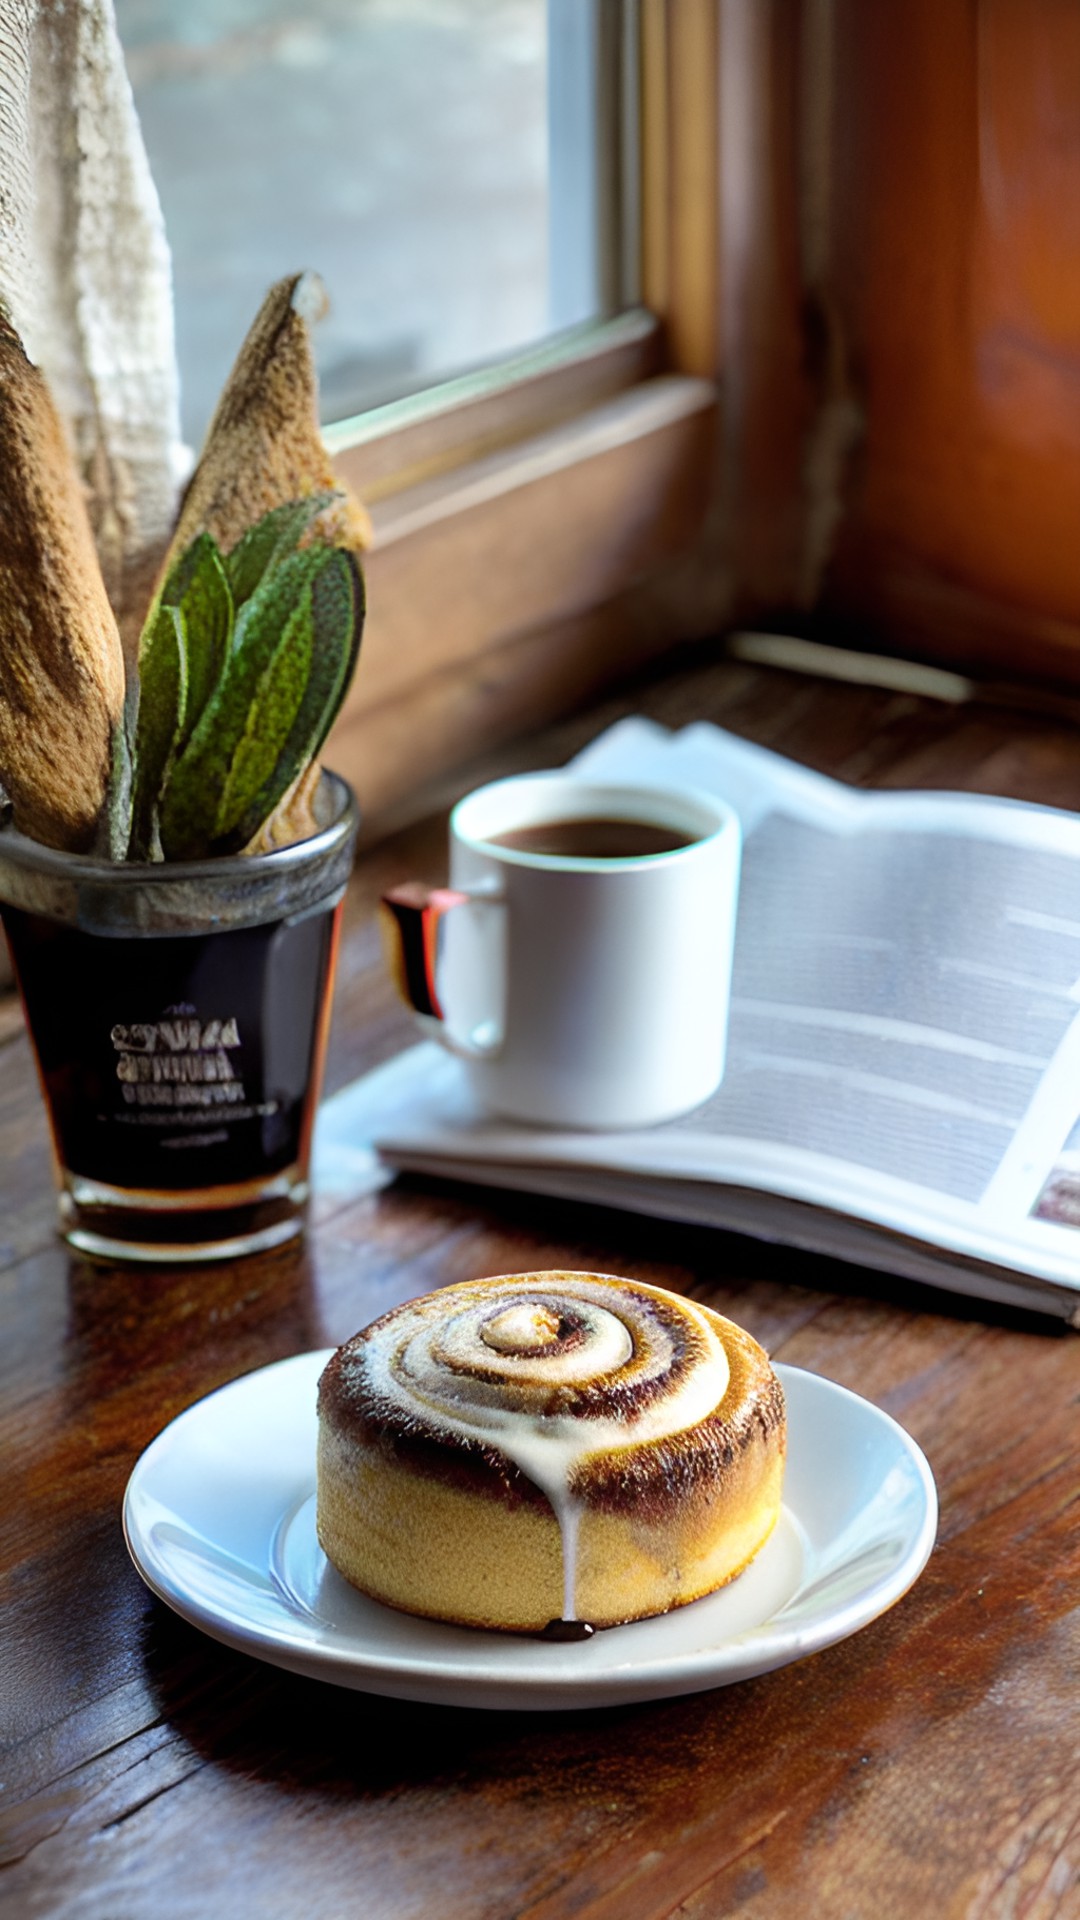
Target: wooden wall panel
{"type": "Point", "coordinates": [768, 392]}
{"type": "Point", "coordinates": [953, 253]}
{"type": "Point", "coordinates": [900, 290]}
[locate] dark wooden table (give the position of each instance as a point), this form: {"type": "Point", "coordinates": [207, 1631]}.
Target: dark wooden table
{"type": "Point", "coordinates": [928, 1766]}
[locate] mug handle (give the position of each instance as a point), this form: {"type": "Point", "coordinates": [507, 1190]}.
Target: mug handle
{"type": "Point", "coordinates": [410, 918]}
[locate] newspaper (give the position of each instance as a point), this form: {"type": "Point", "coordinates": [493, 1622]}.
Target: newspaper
{"type": "Point", "coordinates": [903, 1078]}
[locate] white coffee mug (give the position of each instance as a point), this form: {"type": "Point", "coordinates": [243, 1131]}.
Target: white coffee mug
{"type": "Point", "coordinates": [581, 988]}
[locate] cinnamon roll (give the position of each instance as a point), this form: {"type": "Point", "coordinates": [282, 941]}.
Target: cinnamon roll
{"type": "Point", "coordinates": [547, 1446]}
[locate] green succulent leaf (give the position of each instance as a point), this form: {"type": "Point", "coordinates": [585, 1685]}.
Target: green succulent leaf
{"type": "Point", "coordinates": [270, 541]}
{"type": "Point", "coordinates": [114, 833]}
{"type": "Point", "coordinates": [200, 774]}
{"type": "Point", "coordinates": [199, 588]}
{"type": "Point", "coordinates": [271, 714]}
{"type": "Point", "coordinates": [243, 663]}
{"type": "Point", "coordinates": [339, 609]}
{"type": "Point", "coordinates": [163, 691]}
{"type": "Point", "coordinates": [186, 569]}
{"type": "Point", "coordinates": [337, 616]}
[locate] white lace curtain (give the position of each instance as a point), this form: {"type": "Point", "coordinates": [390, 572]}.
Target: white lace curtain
{"type": "Point", "coordinates": [85, 275]}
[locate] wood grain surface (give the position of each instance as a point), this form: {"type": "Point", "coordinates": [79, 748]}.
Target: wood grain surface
{"type": "Point", "coordinates": [926, 1767]}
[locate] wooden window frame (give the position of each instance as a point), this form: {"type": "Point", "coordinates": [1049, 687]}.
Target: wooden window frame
{"type": "Point", "coordinates": [544, 527]}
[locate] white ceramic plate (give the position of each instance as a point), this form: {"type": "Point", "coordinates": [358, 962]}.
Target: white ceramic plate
{"type": "Point", "coordinates": [219, 1520]}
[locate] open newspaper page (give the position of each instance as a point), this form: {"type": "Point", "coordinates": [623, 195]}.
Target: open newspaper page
{"type": "Point", "coordinates": [903, 1077]}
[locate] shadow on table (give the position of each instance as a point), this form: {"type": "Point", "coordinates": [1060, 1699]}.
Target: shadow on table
{"type": "Point", "coordinates": [309, 1737]}
{"type": "Point", "coordinates": [732, 1261]}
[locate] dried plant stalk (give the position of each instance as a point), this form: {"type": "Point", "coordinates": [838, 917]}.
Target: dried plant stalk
{"type": "Point", "coordinates": [264, 450]}
{"type": "Point", "coordinates": [264, 447]}
{"type": "Point", "coordinates": [293, 819]}
{"type": "Point", "coordinates": [61, 662]}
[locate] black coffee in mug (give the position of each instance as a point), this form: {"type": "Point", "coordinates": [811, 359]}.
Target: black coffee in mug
{"type": "Point", "coordinates": [594, 839]}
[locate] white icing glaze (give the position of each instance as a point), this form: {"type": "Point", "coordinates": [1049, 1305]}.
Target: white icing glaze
{"type": "Point", "coordinates": [520, 1328]}
{"type": "Point", "coordinates": [452, 1360]}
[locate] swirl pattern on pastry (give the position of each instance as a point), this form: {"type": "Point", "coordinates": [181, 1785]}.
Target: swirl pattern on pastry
{"type": "Point", "coordinates": [598, 1428]}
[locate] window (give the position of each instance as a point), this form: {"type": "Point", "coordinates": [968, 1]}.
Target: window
{"type": "Point", "coordinates": [451, 167]}
{"type": "Point", "coordinates": [357, 139]}
{"type": "Point", "coordinates": [540, 521]}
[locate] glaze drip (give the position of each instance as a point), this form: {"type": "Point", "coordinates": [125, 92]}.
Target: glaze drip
{"type": "Point", "coordinates": [567, 1630]}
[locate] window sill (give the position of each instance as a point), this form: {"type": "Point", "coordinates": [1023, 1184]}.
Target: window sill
{"type": "Point", "coordinates": [505, 590]}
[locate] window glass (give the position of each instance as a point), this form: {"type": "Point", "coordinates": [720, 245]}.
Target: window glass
{"type": "Point", "coordinates": [400, 147]}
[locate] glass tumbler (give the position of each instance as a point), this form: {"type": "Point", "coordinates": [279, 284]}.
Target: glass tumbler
{"type": "Point", "coordinates": [178, 1014]}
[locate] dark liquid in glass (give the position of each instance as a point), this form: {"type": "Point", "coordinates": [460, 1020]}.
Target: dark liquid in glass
{"type": "Point", "coordinates": [595, 839]}
{"type": "Point", "coordinates": [182, 1063]}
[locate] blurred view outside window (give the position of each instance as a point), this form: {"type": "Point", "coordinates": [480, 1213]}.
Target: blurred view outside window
{"type": "Point", "coordinates": [403, 148]}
